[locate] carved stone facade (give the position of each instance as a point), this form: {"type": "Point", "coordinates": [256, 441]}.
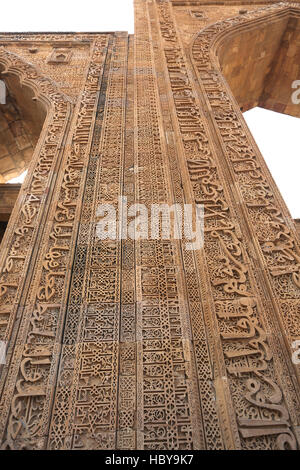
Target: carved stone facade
{"type": "Point", "coordinates": [142, 344]}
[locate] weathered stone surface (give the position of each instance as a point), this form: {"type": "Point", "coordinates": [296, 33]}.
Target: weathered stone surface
{"type": "Point", "coordinates": [143, 344]}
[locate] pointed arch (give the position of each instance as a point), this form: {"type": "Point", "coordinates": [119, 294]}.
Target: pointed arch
{"type": "Point", "coordinates": [25, 222]}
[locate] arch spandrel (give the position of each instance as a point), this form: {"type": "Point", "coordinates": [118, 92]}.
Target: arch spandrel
{"type": "Point", "coordinates": [43, 53]}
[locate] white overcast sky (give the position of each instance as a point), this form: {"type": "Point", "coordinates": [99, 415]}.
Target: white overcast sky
{"type": "Point", "coordinates": [278, 138]}
{"type": "Point", "coordinates": [276, 135]}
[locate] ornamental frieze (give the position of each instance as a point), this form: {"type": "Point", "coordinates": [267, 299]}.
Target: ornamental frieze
{"type": "Point", "coordinates": [131, 339]}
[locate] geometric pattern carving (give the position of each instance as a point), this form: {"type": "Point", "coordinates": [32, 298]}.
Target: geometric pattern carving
{"type": "Point", "coordinates": [141, 344]}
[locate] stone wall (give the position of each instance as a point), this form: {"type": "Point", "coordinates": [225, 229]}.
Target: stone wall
{"type": "Point", "coordinates": [141, 343]}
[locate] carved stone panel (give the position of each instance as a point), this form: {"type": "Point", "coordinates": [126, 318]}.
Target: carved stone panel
{"type": "Point", "coordinates": [139, 343]}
